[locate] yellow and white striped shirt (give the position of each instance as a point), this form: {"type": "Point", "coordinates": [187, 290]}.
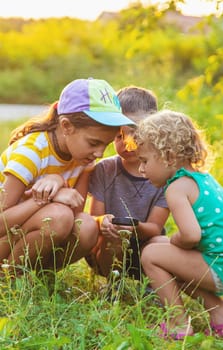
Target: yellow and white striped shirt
{"type": "Point", "coordinates": [32, 157]}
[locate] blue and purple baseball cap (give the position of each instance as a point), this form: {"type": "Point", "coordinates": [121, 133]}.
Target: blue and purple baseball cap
{"type": "Point", "coordinates": [94, 97]}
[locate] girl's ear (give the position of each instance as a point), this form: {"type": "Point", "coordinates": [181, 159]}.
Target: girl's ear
{"type": "Point", "coordinates": [66, 126]}
{"type": "Point", "coordinates": [171, 158]}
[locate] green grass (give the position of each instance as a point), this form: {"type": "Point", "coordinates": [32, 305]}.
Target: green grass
{"type": "Point", "coordinates": [70, 310]}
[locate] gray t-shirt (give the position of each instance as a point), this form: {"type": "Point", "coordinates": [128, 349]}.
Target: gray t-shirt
{"type": "Point", "coordinates": [122, 193]}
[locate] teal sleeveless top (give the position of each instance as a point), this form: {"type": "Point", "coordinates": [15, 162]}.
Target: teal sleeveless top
{"type": "Point", "coordinates": [208, 209]}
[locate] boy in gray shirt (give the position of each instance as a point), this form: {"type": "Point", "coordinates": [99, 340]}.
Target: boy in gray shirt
{"type": "Point", "coordinates": [118, 190]}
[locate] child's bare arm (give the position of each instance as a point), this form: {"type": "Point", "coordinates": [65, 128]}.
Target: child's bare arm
{"type": "Point", "coordinates": [189, 233]}
{"type": "Point", "coordinates": [69, 196]}
{"type": "Point", "coordinates": [97, 208]}
{"type": "Point", "coordinates": [45, 189]}
{"type": "Point", "coordinates": [154, 224]}
{"type": "Point", "coordinates": [82, 187]}
{"type": "Point", "coordinates": [13, 210]}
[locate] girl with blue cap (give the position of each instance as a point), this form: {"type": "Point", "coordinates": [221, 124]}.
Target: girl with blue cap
{"type": "Point", "coordinates": [51, 157]}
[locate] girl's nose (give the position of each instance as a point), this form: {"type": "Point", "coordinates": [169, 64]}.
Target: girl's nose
{"type": "Point", "coordinates": [99, 153]}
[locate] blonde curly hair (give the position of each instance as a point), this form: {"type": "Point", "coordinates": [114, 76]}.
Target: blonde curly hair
{"type": "Point", "coordinates": [170, 132]}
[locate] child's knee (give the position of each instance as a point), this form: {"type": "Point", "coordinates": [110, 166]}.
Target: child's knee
{"type": "Point", "coordinates": [147, 254]}
{"type": "Point", "coordinates": [86, 230]}
{"type": "Point", "coordinates": [159, 239]}
{"type": "Point", "coordinates": [151, 251]}
{"type": "Point", "coordinates": [60, 221]}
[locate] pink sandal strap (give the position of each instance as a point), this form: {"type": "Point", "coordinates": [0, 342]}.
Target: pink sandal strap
{"type": "Point", "coordinates": [217, 328]}
{"type": "Point", "coordinates": [174, 336]}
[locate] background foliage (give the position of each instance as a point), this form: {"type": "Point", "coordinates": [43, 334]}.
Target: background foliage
{"type": "Point", "coordinates": [141, 45]}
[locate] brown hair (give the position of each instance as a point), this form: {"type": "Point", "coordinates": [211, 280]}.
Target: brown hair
{"type": "Point", "coordinates": [137, 100]}
{"type": "Point", "coordinates": [49, 122]}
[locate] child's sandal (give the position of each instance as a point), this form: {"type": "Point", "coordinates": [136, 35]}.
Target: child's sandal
{"type": "Point", "coordinates": [175, 336]}
{"type": "Point", "coordinates": [217, 329]}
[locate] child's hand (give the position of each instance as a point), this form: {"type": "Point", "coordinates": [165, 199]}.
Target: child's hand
{"type": "Point", "coordinates": [106, 226]}
{"type": "Point", "coordinates": [45, 189]}
{"type": "Point", "coordinates": [110, 230]}
{"type": "Point", "coordinates": [69, 196]}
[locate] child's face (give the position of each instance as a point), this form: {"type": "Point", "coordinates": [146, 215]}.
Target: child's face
{"type": "Point", "coordinates": [86, 145]}
{"type": "Point", "coordinates": [152, 167]}
{"type": "Point", "coordinates": [121, 146]}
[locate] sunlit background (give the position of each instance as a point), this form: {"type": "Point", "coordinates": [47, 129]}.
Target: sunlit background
{"type": "Point", "coordinates": [87, 9]}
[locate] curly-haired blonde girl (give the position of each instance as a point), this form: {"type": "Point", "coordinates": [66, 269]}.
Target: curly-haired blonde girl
{"type": "Point", "coordinates": [172, 153]}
